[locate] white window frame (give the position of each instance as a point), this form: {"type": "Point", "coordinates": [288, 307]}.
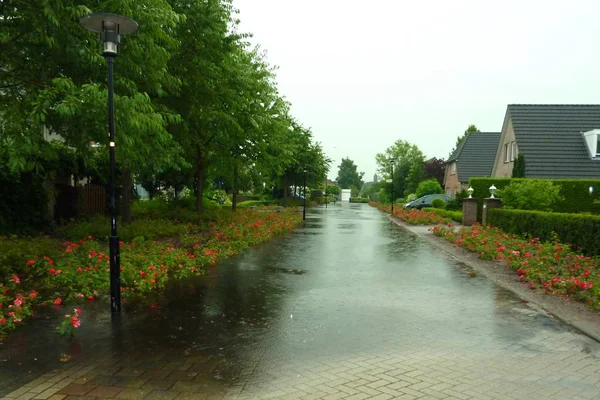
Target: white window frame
{"type": "Point", "coordinates": [513, 151]}
{"type": "Point", "coordinates": [598, 145]}
{"type": "Point", "coordinates": [506, 155]}
{"type": "Point", "coordinates": [453, 169]}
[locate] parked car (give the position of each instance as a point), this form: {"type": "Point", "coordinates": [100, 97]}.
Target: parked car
{"type": "Point", "coordinates": [426, 201]}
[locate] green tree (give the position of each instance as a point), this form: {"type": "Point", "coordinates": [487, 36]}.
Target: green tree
{"type": "Point", "coordinates": [405, 156]}
{"type": "Point", "coordinates": [416, 175]}
{"type": "Point", "coordinates": [431, 186]}
{"type": "Point", "coordinates": [53, 79]}
{"type": "Point", "coordinates": [348, 175]}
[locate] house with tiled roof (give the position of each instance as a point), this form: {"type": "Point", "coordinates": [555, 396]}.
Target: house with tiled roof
{"type": "Point", "coordinates": [556, 140]}
{"type": "Point", "coordinates": [473, 157]}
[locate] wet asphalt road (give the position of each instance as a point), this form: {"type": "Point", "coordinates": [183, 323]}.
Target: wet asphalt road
{"type": "Point", "coordinates": [349, 305]}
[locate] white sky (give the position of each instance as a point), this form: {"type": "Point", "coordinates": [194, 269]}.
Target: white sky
{"type": "Point", "coordinates": [363, 74]}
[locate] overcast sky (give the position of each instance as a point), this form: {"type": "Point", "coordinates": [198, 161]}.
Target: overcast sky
{"type": "Point", "coordinates": [363, 74]}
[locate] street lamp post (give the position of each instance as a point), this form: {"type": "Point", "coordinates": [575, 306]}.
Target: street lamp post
{"type": "Point", "coordinates": [392, 163]}
{"type": "Point", "coordinates": [111, 27]}
{"type": "Point", "coordinates": [304, 206]}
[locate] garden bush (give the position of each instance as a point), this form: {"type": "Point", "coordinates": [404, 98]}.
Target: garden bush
{"type": "Point", "coordinates": [256, 203]}
{"type": "Point", "coordinates": [147, 228]}
{"type": "Point", "coordinates": [358, 200]}
{"type": "Point", "coordinates": [430, 186]}
{"type": "Point", "coordinates": [530, 194]}
{"type": "Point", "coordinates": [579, 230]}
{"type": "Point", "coordinates": [453, 215]}
{"type": "Point", "coordinates": [438, 203]}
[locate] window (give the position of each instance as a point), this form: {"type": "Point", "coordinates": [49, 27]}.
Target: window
{"type": "Point", "coordinates": [453, 169]}
{"type": "Point", "coordinates": [513, 151]}
{"type": "Point", "coordinates": [449, 191]}
{"type": "Point", "coordinates": [597, 145]}
{"type": "Point", "coordinates": [506, 155]}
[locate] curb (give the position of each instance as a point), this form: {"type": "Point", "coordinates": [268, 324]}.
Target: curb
{"type": "Point", "coordinates": [589, 329]}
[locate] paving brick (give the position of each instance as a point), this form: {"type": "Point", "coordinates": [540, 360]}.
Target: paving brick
{"type": "Point", "coordinates": [132, 394]}
{"type": "Point", "coordinates": [105, 391]}
{"type": "Point", "coordinates": [161, 395]}
{"type": "Point", "coordinates": [75, 389]}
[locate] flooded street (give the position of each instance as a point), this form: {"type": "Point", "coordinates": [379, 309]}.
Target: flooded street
{"type": "Point", "coordinates": [349, 306]}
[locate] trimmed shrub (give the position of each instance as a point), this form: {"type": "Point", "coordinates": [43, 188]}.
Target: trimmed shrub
{"type": "Point", "coordinates": [530, 194]}
{"type": "Point", "coordinates": [358, 200]}
{"type": "Point", "coordinates": [579, 230]}
{"type": "Point", "coordinates": [438, 203]}
{"type": "Point", "coordinates": [453, 215]}
{"type": "Point", "coordinates": [430, 186]}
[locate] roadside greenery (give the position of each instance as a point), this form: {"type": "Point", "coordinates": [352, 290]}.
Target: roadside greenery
{"type": "Point", "coordinates": [453, 215]}
{"type": "Point", "coordinates": [548, 265]}
{"type": "Point", "coordinates": [579, 230]}
{"type": "Point", "coordinates": [46, 271]}
{"type": "Point", "coordinates": [413, 217]}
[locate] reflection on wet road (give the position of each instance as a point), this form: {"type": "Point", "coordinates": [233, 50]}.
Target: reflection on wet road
{"type": "Point", "coordinates": [348, 305]}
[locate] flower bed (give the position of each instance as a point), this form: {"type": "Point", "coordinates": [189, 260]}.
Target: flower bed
{"type": "Point", "coordinates": [551, 266]}
{"type": "Point", "coordinates": [79, 270]}
{"type": "Point", "coordinates": [413, 217]}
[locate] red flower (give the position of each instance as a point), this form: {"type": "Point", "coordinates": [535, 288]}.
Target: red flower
{"type": "Point", "coordinates": [2, 321]}
{"type": "Point", "coordinates": [142, 274]}
{"type": "Point", "coordinates": [52, 271]}
{"type": "Point", "coordinates": [18, 302]}
{"type": "Point", "coordinates": [33, 295]}
{"type": "Point", "coordinates": [30, 262]}
{"type": "Point", "coordinates": [90, 298]}
{"type": "Point", "coordinates": [80, 296]}
{"type": "Point", "coordinates": [16, 279]}
{"type": "Point", "coordinates": [75, 322]}
{"type": "Point", "coordinates": [77, 311]}
{"type": "Point", "coordinates": [79, 269]}
{"type": "Point", "coordinates": [58, 302]}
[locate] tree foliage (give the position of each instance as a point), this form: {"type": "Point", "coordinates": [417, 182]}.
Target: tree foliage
{"type": "Point", "coordinates": [405, 156]}
{"type": "Point", "coordinates": [431, 186]}
{"type": "Point", "coordinates": [436, 169]}
{"type": "Point", "coordinates": [348, 175]}
{"type": "Point", "coordinates": [195, 103]}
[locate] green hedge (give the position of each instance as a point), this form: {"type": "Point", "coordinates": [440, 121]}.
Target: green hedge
{"type": "Point", "coordinates": [359, 200]}
{"type": "Point", "coordinates": [580, 230]}
{"type": "Point", "coordinates": [453, 215]}
{"type": "Point", "coordinates": [575, 193]}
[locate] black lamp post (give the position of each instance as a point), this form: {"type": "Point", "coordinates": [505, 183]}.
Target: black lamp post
{"type": "Point", "coordinates": [392, 163]}
{"type": "Point", "coordinates": [304, 207]}
{"type": "Point", "coordinates": [111, 27]}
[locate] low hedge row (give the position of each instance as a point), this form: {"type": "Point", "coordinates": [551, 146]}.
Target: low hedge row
{"type": "Point", "coordinates": [453, 215]}
{"type": "Point", "coordinates": [580, 230]}
{"type": "Point", "coordinates": [575, 193]}
{"type": "Point", "coordinates": [359, 200]}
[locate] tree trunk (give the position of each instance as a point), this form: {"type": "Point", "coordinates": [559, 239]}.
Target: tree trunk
{"type": "Point", "coordinates": [200, 172]}
{"type": "Point", "coordinates": [126, 188]}
{"type": "Point", "coordinates": [234, 192]}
